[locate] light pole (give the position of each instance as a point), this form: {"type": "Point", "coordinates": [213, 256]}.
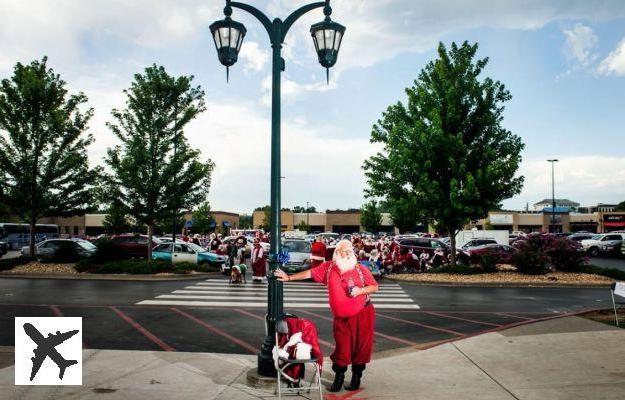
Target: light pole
{"type": "Point", "coordinates": [307, 217]}
{"type": "Point", "coordinates": [553, 196]}
{"type": "Point", "coordinates": [228, 36]}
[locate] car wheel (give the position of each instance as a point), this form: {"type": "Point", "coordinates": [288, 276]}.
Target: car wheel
{"type": "Point", "coordinates": [593, 251]}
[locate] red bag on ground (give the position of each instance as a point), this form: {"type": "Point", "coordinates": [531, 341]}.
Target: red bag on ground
{"type": "Point", "coordinates": [309, 335]}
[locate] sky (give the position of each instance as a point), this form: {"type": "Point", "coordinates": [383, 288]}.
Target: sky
{"type": "Point", "coordinates": [562, 60]}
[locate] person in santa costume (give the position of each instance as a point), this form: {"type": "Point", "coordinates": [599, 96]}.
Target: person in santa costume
{"type": "Point", "coordinates": [259, 262]}
{"type": "Point", "coordinates": [317, 252]}
{"type": "Point", "coordinates": [349, 286]}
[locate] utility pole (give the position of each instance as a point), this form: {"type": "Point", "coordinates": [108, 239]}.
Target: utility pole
{"type": "Point", "coordinates": [552, 228]}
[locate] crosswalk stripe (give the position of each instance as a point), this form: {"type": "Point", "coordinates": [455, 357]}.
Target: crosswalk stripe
{"type": "Point", "coordinates": [323, 294]}
{"type": "Point", "coordinates": [319, 299]}
{"type": "Point", "coordinates": [227, 283]}
{"type": "Point", "coordinates": [198, 303]}
{"type": "Point", "coordinates": [264, 290]}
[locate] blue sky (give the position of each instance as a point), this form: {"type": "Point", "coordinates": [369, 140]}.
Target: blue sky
{"type": "Point", "coordinates": [563, 61]}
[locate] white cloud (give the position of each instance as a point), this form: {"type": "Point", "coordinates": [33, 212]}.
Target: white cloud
{"type": "Point", "coordinates": [380, 30]}
{"type": "Point", "coordinates": [255, 58]}
{"type": "Point", "coordinates": [292, 90]}
{"type": "Point", "coordinates": [614, 63]}
{"type": "Point", "coordinates": [324, 171]}
{"type": "Point", "coordinates": [580, 41]}
{"type": "Point", "coordinates": [586, 179]}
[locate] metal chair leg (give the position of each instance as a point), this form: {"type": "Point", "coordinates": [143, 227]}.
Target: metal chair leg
{"type": "Point", "coordinates": [614, 305]}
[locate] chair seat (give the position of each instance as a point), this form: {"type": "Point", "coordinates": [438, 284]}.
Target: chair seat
{"type": "Point", "coordinates": [296, 361]}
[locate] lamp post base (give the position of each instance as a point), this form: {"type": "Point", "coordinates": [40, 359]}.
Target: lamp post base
{"type": "Point", "coordinates": [266, 367]}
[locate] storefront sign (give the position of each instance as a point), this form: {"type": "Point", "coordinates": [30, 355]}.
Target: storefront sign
{"type": "Point", "coordinates": [500, 219]}
{"type": "Point", "coordinates": [614, 218]}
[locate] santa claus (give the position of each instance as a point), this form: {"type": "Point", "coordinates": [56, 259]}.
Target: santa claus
{"type": "Point", "coordinates": [317, 252]}
{"type": "Point", "coordinates": [349, 286]}
{"type": "Point", "coordinates": [259, 262]}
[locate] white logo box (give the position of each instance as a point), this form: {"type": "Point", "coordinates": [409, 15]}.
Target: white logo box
{"type": "Point", "coordinates": [48, 331]}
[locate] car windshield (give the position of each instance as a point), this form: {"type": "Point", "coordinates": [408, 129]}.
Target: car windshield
{"type": "Point", "coordinates": [296, 246]}
{"type": "Point", "coordinates": [196, 247]}
{"type": "Point", "coordinates": [87, 245]}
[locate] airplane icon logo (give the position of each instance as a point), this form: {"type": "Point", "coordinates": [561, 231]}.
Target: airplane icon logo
{"type": "Point", "coordinates": [48, 351]}
{"type": "Point", "coordinates": [46, 348]}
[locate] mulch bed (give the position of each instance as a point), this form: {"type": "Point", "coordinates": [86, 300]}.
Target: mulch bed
{"type": "Point", "coordinates": [565, 278]}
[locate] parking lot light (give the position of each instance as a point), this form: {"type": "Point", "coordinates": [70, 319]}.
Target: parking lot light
{"type": "Point", "coordinates": [228, 36]}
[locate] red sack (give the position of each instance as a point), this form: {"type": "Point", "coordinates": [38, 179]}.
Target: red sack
{"type": "Point", "coordinates": [309, 335]}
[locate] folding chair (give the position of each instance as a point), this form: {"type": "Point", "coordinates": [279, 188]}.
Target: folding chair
{"type": "Point", "coordinates": [294, 384]}
{"type": "Point", "coordinates": [618, 288]}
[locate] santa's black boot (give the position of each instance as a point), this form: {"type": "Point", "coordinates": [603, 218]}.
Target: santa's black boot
{"type": "Point", "coordinates": [339, 377]}
{"type": "Point", "coordinates": [356, 375]}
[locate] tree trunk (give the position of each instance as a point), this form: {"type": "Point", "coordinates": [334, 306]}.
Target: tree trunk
{"type": "Point", "coordinates": [452, 244]}
{"type": "Point", "coordinates": [150, 233]}
{"type": "Point", "coordinates": [33, 224]}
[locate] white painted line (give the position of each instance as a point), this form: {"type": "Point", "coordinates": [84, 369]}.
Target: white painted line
{"type": "Point", "coordinates": [225, 282]}
{"type": "Point", "coordinates": [323, 294]}
{"type": "Point", "coordinates": [245, 288]}
{"type": "Point", "coordinates": [196, 303]}
{"type": "Point", "coordinates": [321, 299]}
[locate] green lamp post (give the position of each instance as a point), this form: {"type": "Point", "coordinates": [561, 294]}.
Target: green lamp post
{"type": "Point", "coordinates": [228, 36]}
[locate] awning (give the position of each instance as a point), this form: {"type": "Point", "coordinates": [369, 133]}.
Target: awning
{"type": "Point", "coordinates": [619, 224]}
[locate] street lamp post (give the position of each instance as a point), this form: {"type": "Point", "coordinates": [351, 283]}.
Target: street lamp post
{"type": "Point", "coordinates": [228, 36]}
{"type": "Point", "coordinates": [553, 196]}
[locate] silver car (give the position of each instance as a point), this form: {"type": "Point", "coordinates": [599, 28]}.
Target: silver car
{"type": "Point", "coordinates": [62, 250]}
{"type": "Point", "coordinates": [299, 255]}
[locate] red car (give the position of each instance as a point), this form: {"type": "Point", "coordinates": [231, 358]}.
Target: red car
{"type": "Point", "coordinates": [132, 246]}
{"type": "Point", "coordinates": [503, 252]}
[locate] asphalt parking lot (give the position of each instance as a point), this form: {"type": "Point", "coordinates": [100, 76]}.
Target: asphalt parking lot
{"type": "Point", "coordinates": [114, 318]}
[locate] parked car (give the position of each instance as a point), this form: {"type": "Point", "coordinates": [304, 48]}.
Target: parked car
{"type": "Point", "coordinates": [62, 250]}
{"type": "Point", "coordinates": [477, 242]}
{"type": "Point", "coordinates": [420, 245]}
{"type": "Point", "coordinates": [188, 252]}
{"type": "Point", "coordinates": [606, 243]}
{"type": "Point", "coordinates": [132, 246]}
{"type": "Point", "coordinates": [578, 237]}
{"type": "Point", "coordinates": [299, 255]}
{"type": "Point", "coordinates": [503, 252]}
{"type": "Point", "coordinates": [4, 248]}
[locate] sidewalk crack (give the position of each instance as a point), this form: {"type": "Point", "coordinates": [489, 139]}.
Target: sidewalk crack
{"type": "Point", "coordinates": [486, 373]}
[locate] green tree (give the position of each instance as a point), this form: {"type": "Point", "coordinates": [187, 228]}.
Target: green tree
{"type": "Point", "coordinates": [246, 221]}
{"type": "Point", "coordinates": [164, 223]}
{"type": "Point", "coordinates": [303, 226]}
{"type": "Point", "coordinates": [370, 217]}
{"type": "Point", "coordinates": [202, 218]}
{"type": "Point", "coordinates": [620, 206]}
{"type": "Point", "coordinates": [446, 157]}
{"type": "Point", "coordinates": [43, 146]}
{"type": "Point", "coordinates": [154, 171]}
{"type": "Point", "coordinates": [301, 209]}
{"type": "Point", "coordinates": [116, 220]}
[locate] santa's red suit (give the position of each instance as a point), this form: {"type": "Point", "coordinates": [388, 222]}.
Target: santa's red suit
{"type": "Point", "coordinates": [259, 262]}
{"type": "Point", "coordinates": [317, 254]}
{"type": "Point", "coordinates": [354, 317]}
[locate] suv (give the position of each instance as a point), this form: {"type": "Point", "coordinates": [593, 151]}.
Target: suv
{"type": "Point", "coordinates": [4, 248]}
{"type": "Point", "coordinates": [606, 243]}
{"type": "Point", "coordinates": [478, 242]}
{"type": "Point", "coordinates": [132, 246]}
{"type": "Point", "coordinates": [424, 245]}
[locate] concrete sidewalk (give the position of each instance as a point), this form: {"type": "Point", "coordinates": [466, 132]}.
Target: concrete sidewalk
{"type": "Point", "coordinates": [567, 358]}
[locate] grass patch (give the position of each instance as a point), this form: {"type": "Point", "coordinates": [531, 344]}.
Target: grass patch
{"type": "Point", "coordinates": [140, 267]}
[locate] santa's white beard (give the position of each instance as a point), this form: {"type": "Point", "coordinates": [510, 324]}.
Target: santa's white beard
{"type": "Point", "coordinates": [346, 263]}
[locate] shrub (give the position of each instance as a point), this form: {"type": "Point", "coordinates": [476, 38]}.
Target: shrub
{"type": "Point", "coordinates": [564, 254]}
{"type": "Point", "coordinates": [488, 260]}
{"type": "Point", "coordinates": [10, 263]}
{"type": "Point", "coordinates": [460, 269]}
{"type": "Point", "coordinates": [530, 257]}
{"type": "Point", "coordinates": [105, 251]}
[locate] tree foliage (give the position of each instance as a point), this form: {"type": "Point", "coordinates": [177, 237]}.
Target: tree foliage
{"type": "Point", "coordinates": [301, 209]}
{"type": "Point", "coordinates": [446, 157]}
{"type": "Point", "coordinates": [43, 146]}
{"type": "Point", "coordinates": [246, 221]}
{"type": "Point", "coordinates": [202, 218]}
{"type": "Point", "coordinates": [303, 226]}
{"type": "Point", "coordinates": [620, 206]}
{"type": "Point", "coordinates": [116, 220]}
{"type": "Point", "coordinates": [154, 170]}
{"type": "Point", "coordinates": [370, 217]}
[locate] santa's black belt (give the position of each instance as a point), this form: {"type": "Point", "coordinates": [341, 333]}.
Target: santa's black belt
{"type": "Point", "coordinates": [367, 303]}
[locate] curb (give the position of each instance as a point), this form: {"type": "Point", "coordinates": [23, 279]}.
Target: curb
{"type": "Point", "coordinates": [113, 277]}
{"type": "Point", "coordinates": [505, 284]}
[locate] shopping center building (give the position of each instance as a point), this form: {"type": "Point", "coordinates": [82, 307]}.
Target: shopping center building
{"type": "Point", "coordinates": [338, 221]}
